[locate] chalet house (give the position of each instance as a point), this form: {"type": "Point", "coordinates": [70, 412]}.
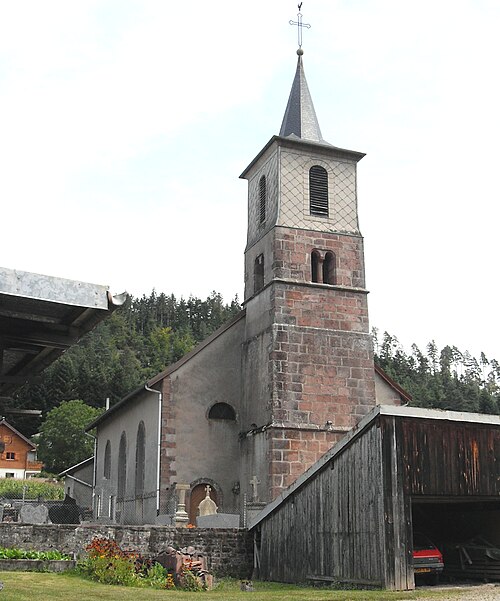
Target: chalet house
{"type": "Point", "coordinates": [18, 454]}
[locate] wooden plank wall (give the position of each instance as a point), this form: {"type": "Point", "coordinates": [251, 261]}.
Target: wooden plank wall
{"type": "Point", "coordinates": [450, 458]}
{"type": "Point", "coordinates": [334, 525]}
{"type": "Point", "coordinates": [397, 510]}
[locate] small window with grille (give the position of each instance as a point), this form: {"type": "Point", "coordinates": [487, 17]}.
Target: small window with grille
{"type": "Point", "coordinates": [258, 274]}
{"type": "Point", "coordinates": [318, 191]}
{"type": "Point", "coordinates": [10, 455]}
{"type": "Point", "coordinates": [262, 199]}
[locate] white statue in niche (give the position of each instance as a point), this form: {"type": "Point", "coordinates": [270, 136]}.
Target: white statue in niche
{"type": "Point", "coordinates": [207, 506]}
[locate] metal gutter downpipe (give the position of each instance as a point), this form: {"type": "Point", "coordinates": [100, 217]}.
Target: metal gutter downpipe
{"type": "Point", "coordinates": [94, 475]}
{"type": "Point", "coordinates": [158, 456]}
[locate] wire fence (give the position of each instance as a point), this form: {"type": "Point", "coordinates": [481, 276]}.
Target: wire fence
{"type": "Point", "coordinates": [147, 508]}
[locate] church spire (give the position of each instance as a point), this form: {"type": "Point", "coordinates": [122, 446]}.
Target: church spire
{"type": "Point", "coordinates": [300, 119]}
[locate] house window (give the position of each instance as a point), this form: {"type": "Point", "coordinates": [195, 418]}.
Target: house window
{"type": "Point", "coordinates": [318, 191]}
{"type": "Point", "coordinates": [222, 411]}
{"type": "Point", "coordinates": [262, 199]}
{"type": "Point", "coordinates": [10, 455]}
{"type": "Point", "coordinates": [140, 459]}
{"type": "Point", "coordinates": [107, 461]}
{"type": "Point", "coordinates": [9, 475]}
{"type": "Point", "coordinates": [315, 266]}
{"type": "Point", "coordinates": [329, 268]}
{"type": "Point", "coordinates": [258, 274]}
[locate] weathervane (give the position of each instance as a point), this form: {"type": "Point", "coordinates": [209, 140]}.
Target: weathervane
{"type": "Point", "coordinates": [300, 25]}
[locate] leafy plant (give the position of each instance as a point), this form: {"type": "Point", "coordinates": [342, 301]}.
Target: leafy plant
{"type": "Point", "coordinates": [189, 581]}
{"type": "Point", "coordinates": [13, 553]}
{"type": "Point", "coordinates": [13, 488]}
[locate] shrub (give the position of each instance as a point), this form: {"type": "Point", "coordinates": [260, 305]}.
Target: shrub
{"type": "Point", "coordinates": [13, 488]}
{"type": "Point", "coordinates": [109, 564]}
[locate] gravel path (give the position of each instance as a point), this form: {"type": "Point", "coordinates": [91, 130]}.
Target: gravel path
{"type": "Point", "coordinates": [482, 592]}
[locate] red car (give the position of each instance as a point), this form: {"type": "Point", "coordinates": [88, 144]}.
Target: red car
{"type": "Point", "coordinates": [427, 558]}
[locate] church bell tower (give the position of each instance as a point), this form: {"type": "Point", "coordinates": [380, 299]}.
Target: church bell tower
{"type": "Point", "coordinates": [308, 362]}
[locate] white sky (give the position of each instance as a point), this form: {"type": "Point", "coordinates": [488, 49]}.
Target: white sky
{"type": "Point", "coordinates": [124, 126]}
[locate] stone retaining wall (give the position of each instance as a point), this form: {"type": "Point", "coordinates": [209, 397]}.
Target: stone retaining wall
{"type": "Point", "coordinates": [229, 552]}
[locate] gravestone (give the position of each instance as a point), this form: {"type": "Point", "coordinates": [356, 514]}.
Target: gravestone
{"type": "Point", "coordinates": [66, 512]}
{"type": "Point", "coordinates": [33, 514]}
{"type": "Point", "coordinates": [207, 506]}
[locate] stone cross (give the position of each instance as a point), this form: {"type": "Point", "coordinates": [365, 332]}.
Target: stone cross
{"type": "Point", "coordinates": [300, 26]}
{"type": "Point", "coordinates": [254, 482]}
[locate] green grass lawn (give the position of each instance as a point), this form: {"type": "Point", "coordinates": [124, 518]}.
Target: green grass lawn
{"type": "Point", "coordinates": [36, 586]}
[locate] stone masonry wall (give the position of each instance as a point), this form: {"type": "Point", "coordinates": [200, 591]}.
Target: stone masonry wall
{"type": "Point", "coordinates": [229, 552]}
{"type": "Point", "coordinates": [292, 250]}
{"type": "Point", "coordinates": [167, 443]}
{"type": "Point", "coordinates": [293, 451]}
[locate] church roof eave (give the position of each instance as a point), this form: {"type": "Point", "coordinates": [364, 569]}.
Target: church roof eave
{"type": "Point", "coordinates": [294, 142]}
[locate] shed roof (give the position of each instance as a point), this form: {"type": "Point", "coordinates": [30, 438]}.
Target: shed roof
{"type": "Point", "coordinates": [40, 317]}
{"type": "Point", "coordinates": [78, 466]}
{"type": "Point", "coordinates": [365, 423]}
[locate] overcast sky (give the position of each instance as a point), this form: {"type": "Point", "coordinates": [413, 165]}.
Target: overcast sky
{"type": "Point", "coordinates": [124, 126]}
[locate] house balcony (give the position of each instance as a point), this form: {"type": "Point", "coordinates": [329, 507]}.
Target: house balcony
{"type": "Point", "coordinates": [34, 466]}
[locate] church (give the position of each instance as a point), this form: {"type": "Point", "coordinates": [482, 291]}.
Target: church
{"type": "Point", "coordinates": [252, 407]}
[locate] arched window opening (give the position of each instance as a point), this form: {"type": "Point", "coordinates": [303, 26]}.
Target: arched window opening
{"type": "Point", "coordinates": [315, 266]}
{"type": "Point", "coordinates": [140, 459]}
{"type": "Point", "coordinates": [329, 268]}
{"type": "Point", "coordinates": [107, 461]}
{"type": "Point", "coordinates": [122, 467]}
{"type": "Point", "coordinates": [258, 274]}
{"type": "Point", "coordinates": [222, 411]}
{"type": "Point", "coordinates": [262, 199]}
{"type": "Point", "coordinates": [318, 191]}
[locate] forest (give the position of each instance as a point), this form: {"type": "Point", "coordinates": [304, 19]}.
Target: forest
{"type": "Point", "coordinates": [149, 333]}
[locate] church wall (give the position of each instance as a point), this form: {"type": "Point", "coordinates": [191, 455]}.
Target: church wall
{"type": "Point", "coordinates": [211, 376]}
{"type": "Point", "coordinates": [267, 167]}
{"type": "Point", "coordinates": [385, 394]}
{"type": "Point", "coordinates": [144, 407]}
{"type": "Point", "coordinates": [294, 186]}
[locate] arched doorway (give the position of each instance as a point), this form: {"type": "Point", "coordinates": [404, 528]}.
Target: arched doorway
{"type": "Point", "coordinates": [197, 495]}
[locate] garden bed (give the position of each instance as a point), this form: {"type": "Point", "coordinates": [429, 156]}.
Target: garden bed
{"type": "Point", "coordinates": [36, 565]}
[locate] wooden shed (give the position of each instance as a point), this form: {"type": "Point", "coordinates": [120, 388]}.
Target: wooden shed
{"type": "Point", "coordinates": [351, 516]}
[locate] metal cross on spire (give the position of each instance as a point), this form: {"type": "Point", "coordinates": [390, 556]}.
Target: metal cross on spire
{"type": "Point", "coordinates": [300, 25]}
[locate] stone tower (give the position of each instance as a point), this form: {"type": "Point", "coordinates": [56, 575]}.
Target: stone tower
{"type": "Point", "coordinates": [308, 361]}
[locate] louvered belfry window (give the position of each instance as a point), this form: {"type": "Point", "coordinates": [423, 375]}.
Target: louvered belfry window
{"type": "Point", "coordinates": [262, 199]}
{"type": "Point", "coordinates": [318, 191]}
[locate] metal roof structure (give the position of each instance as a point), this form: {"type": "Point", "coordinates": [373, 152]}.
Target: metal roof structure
{"type": "Point", "coordinates": [300, 119]}
{"type": "Point", "coordinates": [42, 316]}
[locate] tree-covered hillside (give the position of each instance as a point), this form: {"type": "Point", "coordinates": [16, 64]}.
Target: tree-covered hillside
{"type": "Point", "coordinates": [443, 379]}
{"type": "Point", "coordinates": [140, 339]}
{"type": "Point", "coordinates": [135, 343]}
